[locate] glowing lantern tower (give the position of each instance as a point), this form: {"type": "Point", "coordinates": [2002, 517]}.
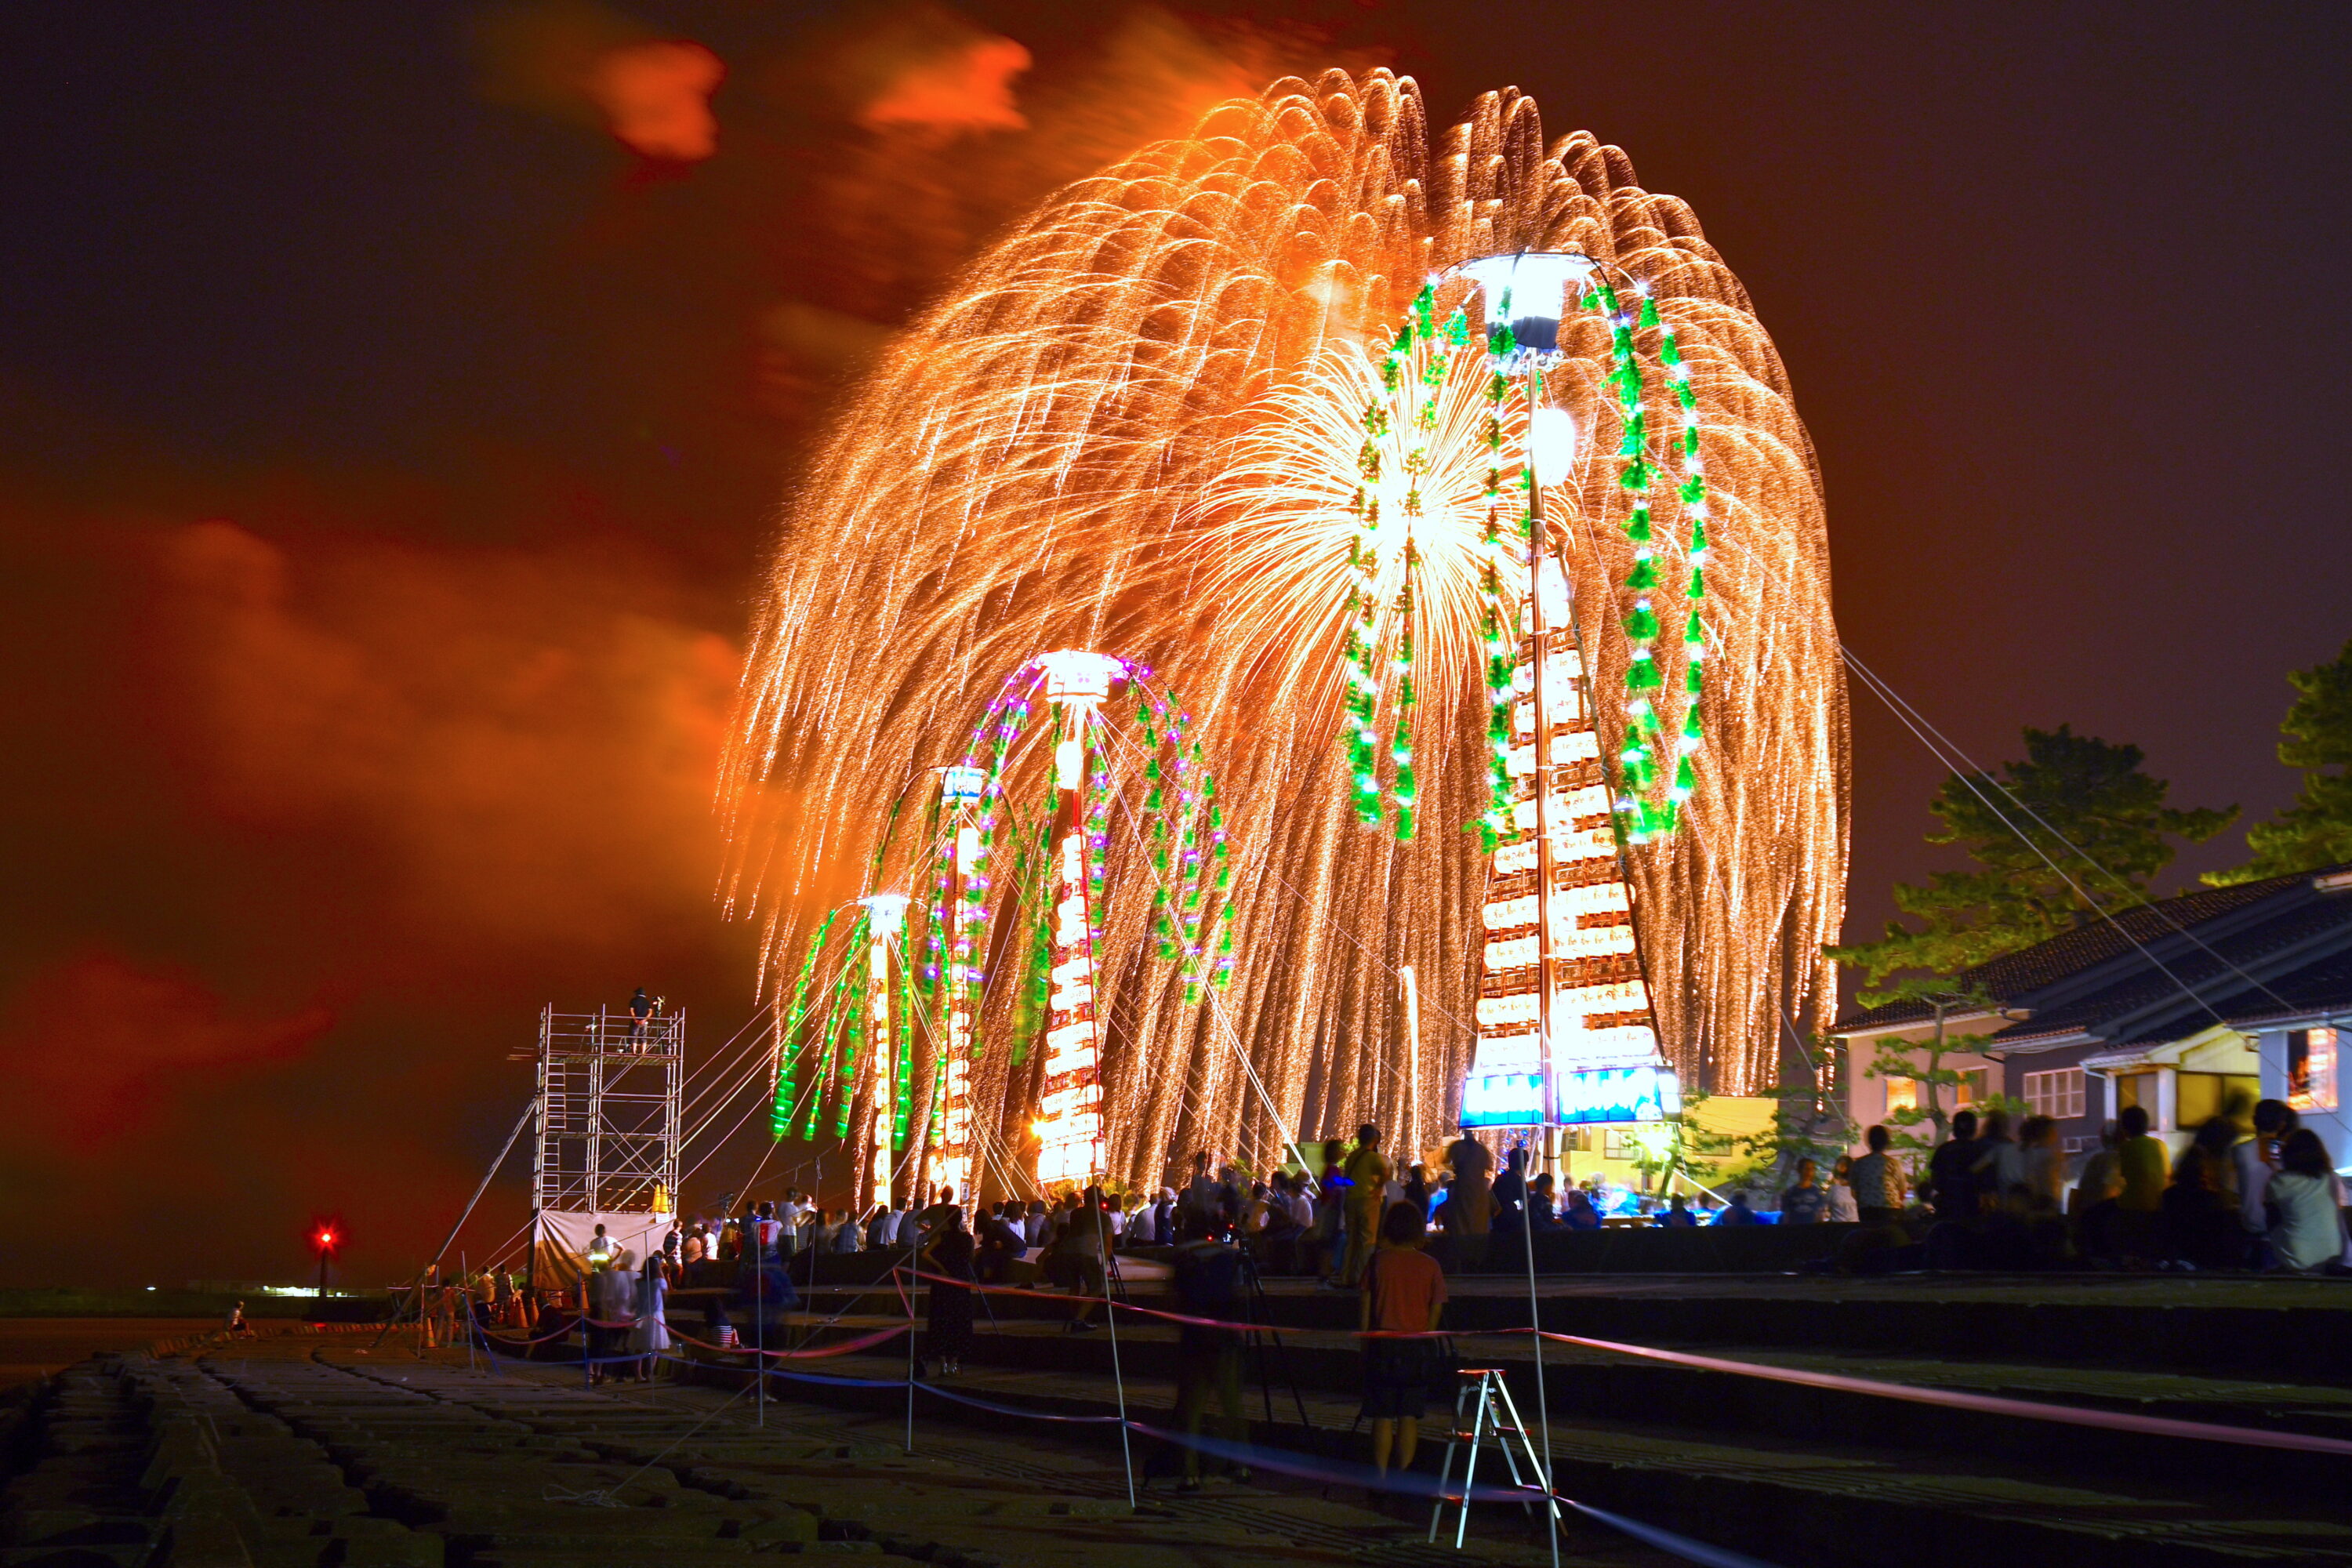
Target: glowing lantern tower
{"type": "Point", "coordinates": [1566, 1031]}
{"type": "Point", "coordinates": [961, 924]}
{"type": "Point", "coordinates": [886, 919]}
{"type": "Point", "coordinates": [1069, 1123]}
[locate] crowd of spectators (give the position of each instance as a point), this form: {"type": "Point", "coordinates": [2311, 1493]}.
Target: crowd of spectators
{"type": "Point", "coordinates": [2256, 1194]}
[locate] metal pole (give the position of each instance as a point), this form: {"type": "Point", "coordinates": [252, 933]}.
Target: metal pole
{"type": "Point", "coordinates": [1537, 552]}
{"type": "Point", "coordinates": [750, 1244]}
{"type": "Point", "coordinates": [1125, 1453]}
{"type": "Point", "coordinates": [910, 1338]}
{"type": "Point", "coordinates": [1539, 625]}
{"type": "Point", "coordinates": [1412, 1117]}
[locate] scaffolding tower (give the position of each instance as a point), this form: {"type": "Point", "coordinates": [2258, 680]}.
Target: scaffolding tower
{"type": "Point", "coordinates": [608, 1112]}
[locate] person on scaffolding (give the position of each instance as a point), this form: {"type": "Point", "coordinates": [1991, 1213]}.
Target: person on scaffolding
{"type": "Point", "coordinates": [641, 1012]}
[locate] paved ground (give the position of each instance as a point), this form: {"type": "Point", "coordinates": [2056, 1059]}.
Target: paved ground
{"type": "Point", "coordinates": [32, 1347]}
{"type": "Point", "coordinates": [294, 1450]}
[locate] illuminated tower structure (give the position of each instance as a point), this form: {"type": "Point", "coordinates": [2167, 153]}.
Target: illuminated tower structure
{"type": "Point", "coordinates": [959, 919]}
{"type": "Point", "coordinates": [892, 1064]}
{"type": "Point", "coordinates": [1069, 1124]}
{"type": "Point", "coordinates": [1566, 1030]}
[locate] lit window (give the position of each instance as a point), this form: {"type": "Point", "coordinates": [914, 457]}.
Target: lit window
{"type": "Point", "coordinates": [2057, 1094]}
{"type": "Point", "coordinates": [1972, 1088]}
{"type": "Point", "coordinates": [2311, 1069]}
{"type": "Point", "coordinates": [1902, 1094]}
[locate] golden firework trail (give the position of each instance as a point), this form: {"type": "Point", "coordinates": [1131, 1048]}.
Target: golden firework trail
{"type": "Point", "coordinates": [1133, 427]}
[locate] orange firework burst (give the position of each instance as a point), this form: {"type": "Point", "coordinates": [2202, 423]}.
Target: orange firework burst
{"type": "Point", "coordinates": [1130, 428]}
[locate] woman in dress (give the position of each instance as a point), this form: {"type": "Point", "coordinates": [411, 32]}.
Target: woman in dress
{"type": "Point", "coordinates": [650, 1336]}
{"type": "Point", "coordinates": [946, 1256]}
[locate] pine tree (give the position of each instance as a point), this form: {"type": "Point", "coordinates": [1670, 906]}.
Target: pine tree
{"type": "Point", "coordinates": [2317, 830]}
{"type": "Point", "coordinates": [2094, 796]}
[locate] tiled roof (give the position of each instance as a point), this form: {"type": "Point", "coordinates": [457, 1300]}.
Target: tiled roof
{"type": "Point", "coordinates": [2013, 979]}
{"type": "Point", "coordinates": [2152, 1004]}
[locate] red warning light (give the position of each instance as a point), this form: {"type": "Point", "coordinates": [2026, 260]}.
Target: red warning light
{"type": "Point", "coordinates": [326, 1239]}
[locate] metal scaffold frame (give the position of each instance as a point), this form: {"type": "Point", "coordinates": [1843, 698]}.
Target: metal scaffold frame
{"type": "Point", "coordinates": [608, 1112]}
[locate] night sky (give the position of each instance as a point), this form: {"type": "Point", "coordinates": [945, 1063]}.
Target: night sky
{"type": "Point", "coordinates": [390, 447]}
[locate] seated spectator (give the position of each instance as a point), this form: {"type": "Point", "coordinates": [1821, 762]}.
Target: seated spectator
{"type": "Point", "coordinates": [1676, 1214]}
{"type": "Point", "coordinates": [1581, 1214]}
{"type": "Point", "coordinates": [1804, 1201]}
{"type": "Point", "coordinates": [1542, 1211]}
{"type": "Point", "coordinates": [2201, 1228]}
{"type": "Point", "coordinates": [2091, 1208]}
{"type": "Point", "coordinates": [2257, 1160]}
{"type": "Point", "coordinates": [999, 1244]}
{"type": "Point", "coordinates": [1737, 1212]}
{"type": "Point", "coordinates": [2304, 1201]}
{"type": "Point", "coordinates": [1839, 1206]}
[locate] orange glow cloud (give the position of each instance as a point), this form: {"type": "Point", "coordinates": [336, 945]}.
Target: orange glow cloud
{"type": "Point", "coordinates": [101, 1047]}
{"type": "Point", "coordinates": [657, 97]}
{"type": "Point", "coordinates": [970, 88]}
{"type": "Point", "coordinates": [522, 750]}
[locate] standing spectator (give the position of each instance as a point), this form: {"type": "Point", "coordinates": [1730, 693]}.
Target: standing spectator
{"type": "Point", "coordinates": [2304, 1204]}
{"type": "Point", "coordinates": [1416, 1189]}
{"type": "Point", "coordinates": [1951, 1172]}
{"type": "Point", "coordinates": [1803, 1202]}
{"type": "Point", "coordinates": [1838, 1207]}
{"type": "Point", "coordinates": [1084, 1246]}
{"type": "Point", "coordinates": [933, 1217]}
{"type": "Point", "coordinates": [613, 1306]}
{"type": "Point", "coordinates": [1469, 1209]}
{"type": "Point", "coordinates": [650, 1337]}
{"type": "Point", "coordinates": [1302, 1207]}
{"type": "Point", "coordinates": [1368, 1171]}
{"type": "Point", "coordinates": [1200, 1194]}
{"type": "Point", "coordinates": [793, 1214]}
{"type": "Point", "coordinates": [946, 1256]}
{"type": "Point", "coordinates": [1877, 1181]}
{"type": "Point", "coordinates": [1511, 1192]}
{"type": "Point", "coordinates": [1328, 1234]}
{"type": "Point", "coordinates": [1207, 1276]}
{"type": "Point", "coordinates": [1404, 1293]}
{"type": "Point", "coordinates": [1163, 1217]}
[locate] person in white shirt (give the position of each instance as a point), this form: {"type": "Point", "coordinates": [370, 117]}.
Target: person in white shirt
{"type": "Point", "coordinates": [2256, 1160]}
{"type": "Point", "coordinates": [794, 1214]}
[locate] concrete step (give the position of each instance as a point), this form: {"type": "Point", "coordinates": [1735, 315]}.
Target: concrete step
{"type": "Point", "coordinates": [1791, 1499]}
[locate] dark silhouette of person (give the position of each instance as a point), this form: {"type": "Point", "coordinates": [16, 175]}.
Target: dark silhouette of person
{"type": "Point", "coordinates": [641, 1008]}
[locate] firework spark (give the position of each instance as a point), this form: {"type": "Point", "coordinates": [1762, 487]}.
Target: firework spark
{"type": "Point", "coordinates": [1122, 431]}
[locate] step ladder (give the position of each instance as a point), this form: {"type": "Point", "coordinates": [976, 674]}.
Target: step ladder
{"type": "Point", "coordinates": [1484, 1413]}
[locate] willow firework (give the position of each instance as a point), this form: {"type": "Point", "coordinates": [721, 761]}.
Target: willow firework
{"type": "Point", "coordinates": [1125, 428]}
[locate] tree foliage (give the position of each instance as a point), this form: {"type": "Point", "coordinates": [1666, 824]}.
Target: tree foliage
{"type": "Point", "coordinates": [2316, 830]}
{"type": "Point", "coordinates": [2102, 818]}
